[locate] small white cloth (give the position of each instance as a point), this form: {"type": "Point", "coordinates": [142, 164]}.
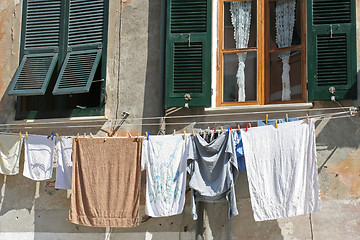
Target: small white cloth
{"type": "Point", "coordinates": [10, 150]}
{"type": "Point", "coordinates": [163, 159]}
{"type": "Point", "coordinates": [63, 163]}
{"type": "Point", "coordinates": [282, 170]}
{"type": "Point", "coordinates": [39, 156]}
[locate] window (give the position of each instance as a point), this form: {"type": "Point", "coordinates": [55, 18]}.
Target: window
{"type": "Point", "coordinates": [268, 51]}
{"type": "Point", "coordinates": [63, 59]}
{"type": "Point", "coordinates": [261, 52]}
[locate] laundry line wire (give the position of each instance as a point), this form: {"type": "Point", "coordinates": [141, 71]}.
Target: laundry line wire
{"type": "Point", "coordinates": [175, 117]}
{"type": "Point", "coordinates": [172, 123]}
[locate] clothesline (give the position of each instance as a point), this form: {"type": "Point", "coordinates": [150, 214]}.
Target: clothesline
{"type": "Point", "coordinates": [337, 115]}
{"type": "Point", "coordinates": [183, 116]}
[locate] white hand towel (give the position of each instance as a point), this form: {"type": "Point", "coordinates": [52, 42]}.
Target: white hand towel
{"type": "Point", "coordinates": [39, 156]}
{"type": "Point", "coordinates": [63, 163]}
{"type": "Point", "coordinates": [10, 150]}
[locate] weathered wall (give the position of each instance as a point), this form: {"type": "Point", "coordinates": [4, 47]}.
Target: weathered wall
{"type": "Point", "coordinates": [36, 210]}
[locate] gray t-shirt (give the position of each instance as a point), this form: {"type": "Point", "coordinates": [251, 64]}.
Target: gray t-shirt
{"type": "Point", "coordinates": [213, 169]}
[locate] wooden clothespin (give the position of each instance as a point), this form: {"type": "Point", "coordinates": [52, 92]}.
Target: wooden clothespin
{"type": "Point", "coordinates": [307, 118]}
{"type": "Point", "coordinates": [77, 136]}
{"type": "Point", "coordinates": [266, 118]}
{"type": "Point", "coordinates": [84, 135]}
{"type": "Point", "coordinates": [58, 136]}
{"type": "Point", "coordinates": [239, 127]}
{"type": "Point", "coordinates": [275, 123]}
{"type": "Point", "coordinates": [287, 117]}
{"type": "Point", "coordinates": [184, 135]}
{"type": "Point", "coordinates": [193, 133]}
{"type": "Point", "coordinates": [129, 134]}
{"type": "Point", "coordinates": [222, 129]}
{"type": "Point", "coordinates": [20, 136]}
{"type": "Point", "coordinates": [26, 135]}
{"type": "Point", "coordinates": [138, 137]}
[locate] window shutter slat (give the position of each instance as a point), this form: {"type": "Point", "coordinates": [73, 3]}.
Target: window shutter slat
{"type": "Point", "coordinates": [188, 53]}
{"type": "Point", "coordinates": [331, 49]}
{"type": "Point", "coordinates": [77, 72]}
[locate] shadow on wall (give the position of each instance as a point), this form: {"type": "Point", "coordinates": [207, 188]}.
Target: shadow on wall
{"type": "Point", "coordinates": [340, 133]}
{"type": "Point", "coordinates": [153, 96]}
{"type": "Point", "coordinates": [7, 106]}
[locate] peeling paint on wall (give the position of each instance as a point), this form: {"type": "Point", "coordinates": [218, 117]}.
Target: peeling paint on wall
{"type": "Point", "coordinates": [348, 171]}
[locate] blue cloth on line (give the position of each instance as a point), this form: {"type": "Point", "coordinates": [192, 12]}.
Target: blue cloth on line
{"type": "Point", "coordinates": [239, 150]}
{"type": "Point", "coordinates": [272, 121]}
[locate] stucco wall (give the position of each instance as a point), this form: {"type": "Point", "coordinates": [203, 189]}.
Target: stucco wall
{"type": "Point", "coordinates": [36, 210]}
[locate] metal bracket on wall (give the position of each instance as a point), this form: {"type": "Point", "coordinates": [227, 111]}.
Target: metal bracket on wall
{"type": "Point", "coordinates": [123, 118]}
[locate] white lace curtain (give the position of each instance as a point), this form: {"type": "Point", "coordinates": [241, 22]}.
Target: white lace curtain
{"type": "Point", "coordinates": [285, 21]}
{"type": "Point", "coordinates": [241, 19]}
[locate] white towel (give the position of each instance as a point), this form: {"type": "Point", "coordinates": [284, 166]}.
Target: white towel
{"type": "Point", "coordinates": [63, 163]}
{"type": "Point", "coordinates": [282, 170]}
{"type": "Point", "coordinates": [39, 156]}
{"type": "Point", "coordinates": [10, 150]}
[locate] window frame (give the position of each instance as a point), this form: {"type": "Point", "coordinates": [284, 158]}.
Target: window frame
{"type": "Point", "coordinates": [263, 52]}
{"type": "Point", "coordinates": [63, 45]}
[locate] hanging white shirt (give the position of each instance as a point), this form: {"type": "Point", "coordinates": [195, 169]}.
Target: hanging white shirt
{"type": "Point", "coordinates": [39, 156]}
{"type": "Point", "coordinates": [282, 170]}
{"type": "Point", "coordinates": [10, 150]}
{"type": "Point", "coordinates": [163, 159]}
{"type": "Point", "coordinates": [63, 163]}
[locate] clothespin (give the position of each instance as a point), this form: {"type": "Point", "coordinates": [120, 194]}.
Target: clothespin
{"type": "Point", "coordinates": [26, 135]}
{"type": "Point", "coordinates": [20, 136]}
{"type": "Point", "coordinates": [229, 128]}
{"type": "Point", "coordinates": [58, 136]}
{"type": "Point", "coordinates": [138, 137]}
{"type": "Point", "coordinates": [193, 133]}
{"type": "Point", "coordinates": [222, 129]}
{"type": "Point", "coordinates": [247, 126]}
{"type": "Point", "coordinates": [184, 135]}
{"type": "Point", "coordinates": [52, 135]}
{"type": "Point", "coordinates": [307, 118]}
{"type": "Point", "coordinates": [239, 127]}
{"type": "Point", "coordinates": [77, 136]}
{"type": "Point", "coordinates": [129, 134]}
{"type": "Point", "coordinates": [266, 118]}
{"type": "Point", "coordinates": [214, 130]}
{"type": "Point", "coordinates": [106, 136]}
{"type": "Point", "coordinates": [91, 135]}
{"type": "Point", "coordinates": [275, 123]}
{"type": "Point", "coordinates": [287, 117]}
{"type": "Point", "coordinates": [84, 135]}
{"type": "Point", "coordinates": [250, 125]}
{"type": "Point", "coordinates": [147, 135]}
{"type": "Point", "coordinates": [174, 132]}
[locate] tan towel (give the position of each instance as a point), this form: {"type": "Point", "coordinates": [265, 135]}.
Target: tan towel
{"type": "Point", "coordinates": [106, 182]}
{"type": "Point", "coordinates": [10, 150]}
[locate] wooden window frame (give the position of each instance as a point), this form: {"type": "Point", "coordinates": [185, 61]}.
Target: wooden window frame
{"type": "Point", "coordinates": [263, 51]}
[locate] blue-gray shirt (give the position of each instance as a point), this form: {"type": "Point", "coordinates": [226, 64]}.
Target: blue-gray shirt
{"type": "Point", "coordinates": [213, 168]}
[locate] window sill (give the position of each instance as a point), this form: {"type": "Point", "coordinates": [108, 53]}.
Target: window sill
{"type": "Point", "coordinates": [260, 108]}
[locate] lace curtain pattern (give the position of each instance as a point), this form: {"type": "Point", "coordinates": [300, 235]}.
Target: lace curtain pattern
{"type": "Point", "coordinates": [241, 20]}
{"type": "Point", "coordinates": [285, 21]}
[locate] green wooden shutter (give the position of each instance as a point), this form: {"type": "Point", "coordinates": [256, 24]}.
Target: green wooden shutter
{"type": "Point", "coordinates": [188, 53]}
{"type": "Point", "coordinates": [40, 47]}
{"type": "Point", "coordinates": [331, 49]}
{"type": "Point", "coordinates": [85, 42]}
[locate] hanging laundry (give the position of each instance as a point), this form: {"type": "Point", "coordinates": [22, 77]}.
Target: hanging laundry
{"type": "Point", "coordinates": [213, 169]}
{"type": "Point", "coordinates": [165, 163]}
{"type": "Point", "coordinates": [272, 121]}
{"type": "Point", "coordinates": [10, 151]}
{"type": "Point", "coordinates": [239, 150]}
{"type": "Point", "coordinates": [282, 170]}
{"type": "Point", "coordinates": [63, 163]}
{"type": "Point", "coordinates": [106, 182]}
{"type": "Point", "coordinates": [39, 157]}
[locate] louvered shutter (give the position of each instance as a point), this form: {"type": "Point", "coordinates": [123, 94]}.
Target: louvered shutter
{"type": "Point", "coordinates": [331, 49]}
{"type": "Point", "coordinates": [188, 53]}
{"type": "Point", "coordinates": [40, 47]}
{"type": "Point", "coordinates": [85, 42]}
